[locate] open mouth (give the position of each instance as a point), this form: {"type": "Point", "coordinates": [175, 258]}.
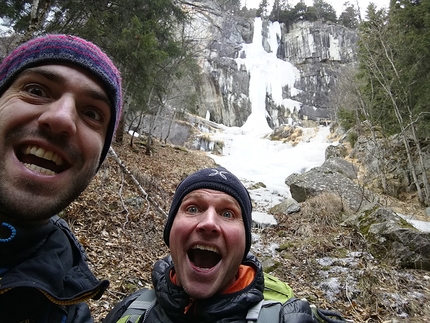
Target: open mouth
{"type": "Point", "coordinates": [204, 257]}
{"type": "Point", "coordinates": [40, 160]}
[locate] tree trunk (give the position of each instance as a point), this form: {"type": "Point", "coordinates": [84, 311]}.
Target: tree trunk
{"type": "Point", "coordinates": [37, 18]}
{"type": "Point", "coordinates": [121, 125]}
{"type": "Point", "coordinates": [386, 85]}
{"type": "Point", "coordinates": [426, 185]}
{"type": "Point", "coordinates": [170, 126]}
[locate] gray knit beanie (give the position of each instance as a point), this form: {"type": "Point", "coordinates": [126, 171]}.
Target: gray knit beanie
{"type": "Point", "coordinates": [219, 179]}
{"type": "Point", "coordinates": [68, 49]}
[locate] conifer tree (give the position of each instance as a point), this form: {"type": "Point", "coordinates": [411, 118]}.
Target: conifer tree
{"type": "Point", "coordinates": [391, 56]}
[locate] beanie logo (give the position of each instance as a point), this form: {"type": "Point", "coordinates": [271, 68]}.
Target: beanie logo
{"type": "Point", "coordinates": [220, 173]}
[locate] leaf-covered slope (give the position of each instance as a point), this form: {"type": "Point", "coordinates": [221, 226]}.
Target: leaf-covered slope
{"type": "Point", "coordinates": [324, 262]}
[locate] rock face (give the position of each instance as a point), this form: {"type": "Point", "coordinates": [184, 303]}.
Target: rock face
{"type": "Point", "coordinates": [318, 42]}
{"type": "Point", "coordinates": [318, 50]}
{"type": "Point", "coordinates": [222, 88]}
{"type": "Point", "coordinates": [392, 240]}
{"type": "Point", "coordinates": [287, 206]}
{"type": "Point", "coordinates": [389, 237]}
{"type": "Point", "coordinates": [317, 53]}
{"type": "Point", "coordinates": [334, 176]}
{"type": "Point", "coordinates": [382, 154]}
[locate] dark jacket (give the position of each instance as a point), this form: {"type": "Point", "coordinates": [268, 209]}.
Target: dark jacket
{"type": "Point", "coordinates": [221, 308]}
{"type": "Point", "coordinates": [172, 299]}
{"type": "Point", "coordinates": [45, 277]}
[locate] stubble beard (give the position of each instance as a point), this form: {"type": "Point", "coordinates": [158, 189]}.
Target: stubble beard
{"type": "Point", "coordinates": [24, 202]}
{"type": "Point", "coordinates": [27, 205]}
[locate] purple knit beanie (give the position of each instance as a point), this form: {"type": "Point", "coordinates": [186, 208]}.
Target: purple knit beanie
{"type": "Point", "coordinates": [68, 49]}
{"type": "Point", "coordinates": [219, 179]}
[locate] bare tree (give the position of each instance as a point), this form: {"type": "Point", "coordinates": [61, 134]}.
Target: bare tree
{"type": "Point", "coordinates": [37, 18]}
{"type": "Point", "coordinates": [348, 96]}
{"type": "Point", "coordinates": [382, 66]}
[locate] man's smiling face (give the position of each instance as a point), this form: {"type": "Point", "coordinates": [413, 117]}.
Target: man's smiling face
{"type": "Point", "coordinates": [207, 242]}
{"type": "Point", "coordinates": [53, 123]}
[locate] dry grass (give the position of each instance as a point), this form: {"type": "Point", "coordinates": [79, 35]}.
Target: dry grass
{"type": "Point", "coordinates": [122, 234]}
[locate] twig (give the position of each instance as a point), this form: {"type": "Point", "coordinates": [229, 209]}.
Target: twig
{"type": "Point", "coordinates": [135, 181]}
{"type": "Point", "coordinates": [122, 201]}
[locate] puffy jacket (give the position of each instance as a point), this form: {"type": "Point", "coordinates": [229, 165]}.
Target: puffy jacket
{"type": "Point", "coordinates": [45, 277]}
{"type": "Point", "coordinates": [220, 308]}
{"type": "Point", "coordinates": [172, 299]}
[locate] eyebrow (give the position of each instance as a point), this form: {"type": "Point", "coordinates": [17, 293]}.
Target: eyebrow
{"type": "Point", "coordinates": [59, 78]}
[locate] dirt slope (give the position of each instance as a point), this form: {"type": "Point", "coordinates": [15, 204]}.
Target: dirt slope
{"type": "Point", "coordinates": [122, 234]}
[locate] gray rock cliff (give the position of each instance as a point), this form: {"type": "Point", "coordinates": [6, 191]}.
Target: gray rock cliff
{"type": "Point", "coordinates": [318, 50]}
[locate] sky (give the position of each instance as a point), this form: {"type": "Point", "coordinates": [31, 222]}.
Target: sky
{"type": "Point", "coordinates": [249, 154]}
{"type": "Point", "coordinates": [337, 4]}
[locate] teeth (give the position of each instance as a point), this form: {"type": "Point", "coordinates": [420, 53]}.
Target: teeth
{"type": "Point", "coordinates": [42, 153]}
{"type": "Point", "coordinates": [40, 169]}
{"type": "Point", "coordinates": [207, 248]}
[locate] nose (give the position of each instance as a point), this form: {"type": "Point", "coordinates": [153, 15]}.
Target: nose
{"type": "Point", "coordinates": [209, 221]}
{"type": "Point", "coordinates": [60, 116]}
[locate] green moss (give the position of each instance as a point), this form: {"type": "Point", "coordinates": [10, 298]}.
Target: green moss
{"type": "Point", "coordinates": [257, 186]}
{"type": "Point", "coordinates": [286, 246]}
{"type": "Point", "coordinates": [130, 287]}
{"type": "Point", "coordinates": [405, 224]}
{"type": "Point", "coordinates": [180, 148]}
{"type": "Point", "coordinates": [272, 267]}
{"type": "Point", "coordinates": [365, 220]}
{"type": "Point", "coordinates": [282, 233]}
{"type": "Point", "coordinates": [352, 138]}
{"type": "Point", "coordinates": [341, 252]}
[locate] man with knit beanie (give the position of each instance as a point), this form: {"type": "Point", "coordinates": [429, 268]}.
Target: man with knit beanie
{"type": "Point", "coordinates": [60, 103]}
{"type": "Point", "coordinates": [210, 275]}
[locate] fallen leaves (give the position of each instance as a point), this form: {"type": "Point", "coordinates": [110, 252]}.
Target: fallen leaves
{"type": "Point", "coordinates": [122, 233]}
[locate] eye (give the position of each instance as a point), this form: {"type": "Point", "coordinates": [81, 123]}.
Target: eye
{"type": "Point", "coordinates": [192, 209]}
{"type": "Point", "coordinates": [93, 114]}
{"type": "Point", "coordinates": [35, 90]}
{"type": "Point", "coordinates": [227, 214]}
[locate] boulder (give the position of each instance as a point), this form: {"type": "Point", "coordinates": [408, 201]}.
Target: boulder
{"type": "Point", "coordinates": [332, 177]}
{"type": "Point", "coordinates": [287, 206]}
{"type": "Point", "coordinates": [391, 239]}
{"type": "Point", "coordinates": [342, 166]}
{"type": "Point", "coordinates": [336, 151]}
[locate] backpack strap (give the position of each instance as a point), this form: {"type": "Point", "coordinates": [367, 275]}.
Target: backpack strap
{"type": "Point", "coordinates": [138, 307]}
{"type": "Point", "coordinates": [253, 312]}
{"type": "Point", "coordinates": [267, 311]}
{"type": "Point", "coordinates": [270, 313]}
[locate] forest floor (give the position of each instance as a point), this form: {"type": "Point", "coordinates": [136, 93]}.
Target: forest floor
{"type": "Point", "coordinates": [323, 261]}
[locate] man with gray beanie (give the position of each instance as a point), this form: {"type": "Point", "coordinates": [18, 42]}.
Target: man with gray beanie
{"type": "Point", "coordinates": [60, 103]}
{"type": "Point", "coordinates": [210, 275]}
